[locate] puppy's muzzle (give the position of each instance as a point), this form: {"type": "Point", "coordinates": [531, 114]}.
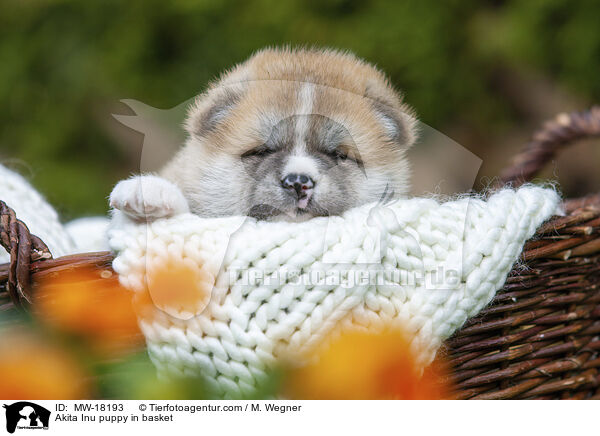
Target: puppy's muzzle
{"type": "Point", "coordinates": [301, 186]}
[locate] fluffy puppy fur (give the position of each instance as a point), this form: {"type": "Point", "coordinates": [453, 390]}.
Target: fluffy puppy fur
{"type": "Point", "coordinates": [288, 134]}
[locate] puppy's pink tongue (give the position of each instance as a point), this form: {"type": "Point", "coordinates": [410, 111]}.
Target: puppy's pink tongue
{"type": "Point", "coordinates": [303, 202]}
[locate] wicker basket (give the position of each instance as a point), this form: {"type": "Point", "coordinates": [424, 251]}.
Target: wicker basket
{"type": "Point", "coordinates": [540, 337]}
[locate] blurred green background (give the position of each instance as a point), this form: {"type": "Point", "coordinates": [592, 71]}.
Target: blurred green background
{"type": "Point", "coordinates": [485, 73]}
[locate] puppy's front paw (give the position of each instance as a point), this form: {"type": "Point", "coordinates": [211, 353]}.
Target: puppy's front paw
{"type": "Point", "coordinates": [148, 198]}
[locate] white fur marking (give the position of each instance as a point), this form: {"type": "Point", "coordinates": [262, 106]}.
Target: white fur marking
{"type": "Point", "coordinates": [148, 196]}
{"type": "Point", "coordinates": [305, 99]}
{"type": "Point", "coordinates": [301, 165]}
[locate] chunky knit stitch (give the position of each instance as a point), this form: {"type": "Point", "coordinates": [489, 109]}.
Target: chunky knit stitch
{"type": "Point", "coordinates": [278, 288]}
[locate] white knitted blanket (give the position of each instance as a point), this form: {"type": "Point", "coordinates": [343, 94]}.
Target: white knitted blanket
{"type": "Point", "coordinates": [278, 288]}
{"type": "Point", "coordinates": [84, 234]}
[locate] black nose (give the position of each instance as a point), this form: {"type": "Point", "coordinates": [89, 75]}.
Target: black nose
{"type": "Point", "coordinates": [298, 182]}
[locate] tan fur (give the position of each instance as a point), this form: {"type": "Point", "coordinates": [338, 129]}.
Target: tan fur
{"type": "Point", "coordinates": [269, 85]}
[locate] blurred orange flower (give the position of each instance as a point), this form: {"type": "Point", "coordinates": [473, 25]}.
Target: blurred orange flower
{"type": "Point", "coordinates": [366, 366]}
{"type": "Point", "coordinates": [180, 288]}
{"type": "Point", "coordinates": [32, 368]}
{"type": "Point", "coordinates": [90, 304]}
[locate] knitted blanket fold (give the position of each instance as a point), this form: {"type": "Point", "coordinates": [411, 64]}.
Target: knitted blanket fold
{"type": "Point", "coordinates": [81, 235]}
{"type": "Point", "coordinates": [273, 289]}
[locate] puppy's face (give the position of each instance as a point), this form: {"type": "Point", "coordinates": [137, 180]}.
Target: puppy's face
{"type": "Point", "coordinates": [309, 166]}
{"type": "Point", "coordinates": [293, 149]}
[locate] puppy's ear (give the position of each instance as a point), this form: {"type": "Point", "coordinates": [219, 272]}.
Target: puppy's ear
{"type": "Point", "coordinates": [212, 108]}
{"type": "Point", "coordinates": [398, 120]}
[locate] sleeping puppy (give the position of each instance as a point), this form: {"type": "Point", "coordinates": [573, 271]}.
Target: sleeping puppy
{"type": "Point", "coordinates": [286, 135]}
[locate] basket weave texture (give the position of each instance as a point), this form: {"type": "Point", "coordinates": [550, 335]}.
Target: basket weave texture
{"type": "Point", "coordinates": [539, 338]}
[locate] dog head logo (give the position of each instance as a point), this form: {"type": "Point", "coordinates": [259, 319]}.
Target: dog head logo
{"type": "Point", "coordinates": [26, 415]}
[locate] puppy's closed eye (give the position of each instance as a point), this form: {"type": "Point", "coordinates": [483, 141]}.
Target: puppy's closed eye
{"type": "Point", "coordinates": [345, 153]}
{"type": "Point", "coordinates": [258, 152]}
